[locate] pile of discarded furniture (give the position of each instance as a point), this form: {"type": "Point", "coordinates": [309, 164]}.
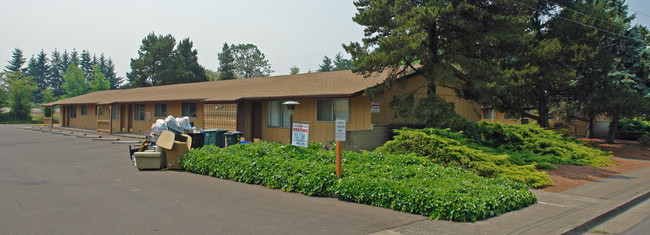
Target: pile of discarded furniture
{"type": "Point", "coordinates": [171, 138]}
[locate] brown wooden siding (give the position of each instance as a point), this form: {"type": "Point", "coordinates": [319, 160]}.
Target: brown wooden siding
{"type": "Point", "coordinates": [319, 131]}
{"type": "Point", "coordinates": [466, 108]}
{"type": "Point", "coordinates": [87, 121]}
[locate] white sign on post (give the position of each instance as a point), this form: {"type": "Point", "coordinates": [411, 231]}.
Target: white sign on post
{"type": "Point", "coordinates": [375, 107]}
{"type": "Point", "coordinates": [300, 135]}
{"type": "Point", "coordinates": [339, 130]}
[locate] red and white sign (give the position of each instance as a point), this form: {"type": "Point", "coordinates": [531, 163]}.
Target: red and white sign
{"type": "Point", "coordinates": [339, 130]}
{"type": "Point", "coordinates": [300, 135]}
{"type": "Point", "coordinates": [374, 107]}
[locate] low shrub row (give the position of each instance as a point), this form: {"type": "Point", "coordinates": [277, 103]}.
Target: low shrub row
{"type": "Point", "coordinates": [510, 151]}
{"type": "Point", "coordinates": [534, 144]}
{"type": "Point", "coordinates": [445, 147]}
{"type": "Point", "coordinates": [406, 183]}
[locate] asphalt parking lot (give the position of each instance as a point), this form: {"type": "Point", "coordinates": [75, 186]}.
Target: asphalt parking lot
{"type": "Point", "coordinates": [55, 184]}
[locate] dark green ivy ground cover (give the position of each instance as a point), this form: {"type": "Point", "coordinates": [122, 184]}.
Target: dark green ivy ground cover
{"type": "Point", "coordinates": [408, 183]}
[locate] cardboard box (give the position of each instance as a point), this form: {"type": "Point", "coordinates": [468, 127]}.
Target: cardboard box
{"type": "Point", "coordinates": [174, 150]}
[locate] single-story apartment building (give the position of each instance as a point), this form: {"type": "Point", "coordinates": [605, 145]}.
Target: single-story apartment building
{"type": "Point", "coordinates": [254, 106]}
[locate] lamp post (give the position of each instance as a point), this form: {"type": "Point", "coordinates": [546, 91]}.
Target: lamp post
{"type": "Point", "coordinates": [291, 105]}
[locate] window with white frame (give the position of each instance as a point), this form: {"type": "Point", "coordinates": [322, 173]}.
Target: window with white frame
{"type": "Point", "coordinates": [328, 110]}
{"type": "Point", "coordinates": [138, 112]}
{"type": "Point", "coordinates": [488, 113]}
{"type": "Point", "coordinates": [160, 110]}
{"type": "Point", "coordinates": [278, 114]}
{"type": "Point", "coordinates": [188, 109]}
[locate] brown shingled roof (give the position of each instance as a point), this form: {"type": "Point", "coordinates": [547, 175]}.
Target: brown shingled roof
{"type": "Point", "coordinates": [324, 84]}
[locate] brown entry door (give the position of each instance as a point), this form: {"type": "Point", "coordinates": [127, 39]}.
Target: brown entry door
{"type": "Point", "coordinates": [257, 120]}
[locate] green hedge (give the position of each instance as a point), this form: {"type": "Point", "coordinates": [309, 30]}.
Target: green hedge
{"type": "Point", "coordinates": [444, 147]}
{"type": "Point", "coordinates": [401, 182]}
{"type": "Point", "coordinates": [509, 151]}
{"type": "Point", "coordinates": [632, 129]}
{"type": "Point", "coordinates": [534, 144]}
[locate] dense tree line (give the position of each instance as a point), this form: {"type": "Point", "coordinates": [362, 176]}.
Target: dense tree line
{"type": "Point", "coordinates": [43, 79]}
{"type": "Point", "coordinates": [528, 58]}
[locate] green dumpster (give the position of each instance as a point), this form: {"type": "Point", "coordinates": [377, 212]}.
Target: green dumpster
{"type": "Point", "coordinates": [215, 137]}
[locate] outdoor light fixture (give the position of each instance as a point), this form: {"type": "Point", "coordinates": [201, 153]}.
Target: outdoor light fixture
{"type": "Point", "coordinates": [291, 105]}
{"type": "Point", "coordinates": [218, 106]}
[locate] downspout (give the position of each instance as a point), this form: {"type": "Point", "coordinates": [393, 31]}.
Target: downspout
{"type": "Point", "coordinates": [110, 119]}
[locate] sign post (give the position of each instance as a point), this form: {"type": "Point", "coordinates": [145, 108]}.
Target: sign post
{"type": "Point", "coordinates": [339, 133]}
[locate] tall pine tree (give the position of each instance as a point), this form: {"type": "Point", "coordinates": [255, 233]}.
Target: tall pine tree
{"type": "Point", "coordinates": [440, 40]}
{"type": "Point", "coordinates": [226, 63]}
{"type": "Point", "coordinates": [326, 66]}
{"type": "Point", "coordinates": [57, 67]}
{"type": "Point", "coordinates": [86, 64]}
{"type": "Point", "coordinates": [186, 64]}
{"type": "Point", "coordinates": [17, 61]}
{"type": "Point", "coordinates": [39, 68]}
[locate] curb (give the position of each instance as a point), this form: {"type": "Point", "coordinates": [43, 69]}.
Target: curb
{"type": "Point", "coordinates": [586, 226]}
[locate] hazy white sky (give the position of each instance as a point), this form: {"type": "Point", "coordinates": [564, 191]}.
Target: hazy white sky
{"type": "Point", "coordinates": [288, 32]}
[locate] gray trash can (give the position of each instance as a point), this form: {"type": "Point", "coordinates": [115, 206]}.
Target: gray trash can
{"type": "Point", "coordinates": [233, 137]}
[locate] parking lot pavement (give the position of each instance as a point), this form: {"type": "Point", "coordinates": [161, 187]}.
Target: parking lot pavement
{"type": "Point", "coordinates": [55, 184]}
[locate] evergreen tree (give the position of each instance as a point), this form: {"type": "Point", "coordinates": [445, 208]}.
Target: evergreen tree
{"type": "Point", "coordinates": [111, 75]}
{"type": "Point", "coordinates": [86, 64]}
{"type": "Point", "coordinates": [57, 68]}
{"type": "Point", "coordinates": [108, 69]}
{"type": "Point", "coordinates": [17, 61]}
{"type": "Point", "coordinates": [186, 64]}
{"type": "Point", "coordinates": [74, 57]}
{"type": "Point", "coordinates": [250, 62]}
{"type": "Point", "coordinates": [326, 66]}
{"type": "Point", "coordinates": [341, 63]}
{"type": "Point", "coordinates": [440, 40]}
{"type": "Point", "coordinates": [226, 63]}
{"type": "Point", "coordinates": [154, 65]}
{"type": "Point", "coordinates": [39, 69]}
{"type": "Point", "coordinates": [65, 61]}
{"type": "Point", "coordinates": [628, 88]}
